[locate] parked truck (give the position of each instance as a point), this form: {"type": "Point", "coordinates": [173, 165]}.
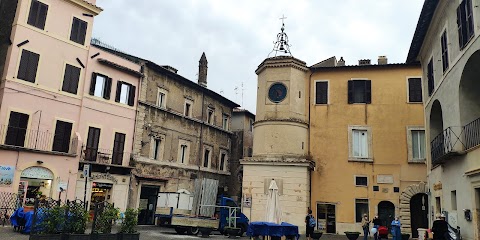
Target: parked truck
{"type": "Point", "coordinates": [205, 210]}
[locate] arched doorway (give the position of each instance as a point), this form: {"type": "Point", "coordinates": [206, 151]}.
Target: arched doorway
{"type": "Point", "coordinates": [35, 182]}
{"type": "Point", "coordinates": [405, 197]}
{"type": "Point", "coordinates": [418, 212]}
{"type": "Point", "coordinates": [469, 91]}
{"type": "Point", "coordinates": [386, 212]}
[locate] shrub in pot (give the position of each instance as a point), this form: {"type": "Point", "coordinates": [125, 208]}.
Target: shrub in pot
{"type": "Point", "coordinates": [352, 235]}
{"type": "Point", "coordinates": [128, 230]}
{"type": "Point", "coordinates": [104, 222]}
{"type": "Point", "coordinates": [76, 221]}
{"type": "Point", "coordinates": [49, 223]}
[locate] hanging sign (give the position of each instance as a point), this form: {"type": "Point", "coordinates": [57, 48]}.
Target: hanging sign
{"type": "Point", "coordinates": [6, 175]}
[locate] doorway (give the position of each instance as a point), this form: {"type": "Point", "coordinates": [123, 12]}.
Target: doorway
{"type": "Point", "coordinates": [147, 204]}
{"type": "Point", "coordinates": [326, 217]}
{"type": "Point", "coordinates": [418, 212]}
{"type": "Point", "coordinates": [386, 213]}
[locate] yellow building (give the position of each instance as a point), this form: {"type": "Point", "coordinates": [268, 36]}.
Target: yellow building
{"type": "Point", "coordinates": [367, 139]}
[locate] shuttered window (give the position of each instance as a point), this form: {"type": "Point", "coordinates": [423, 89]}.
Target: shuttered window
{"type": "Point", "coordinates": [28, 66]}
{"type": "Point", "coordinates": [61, 140]}
{"type": "Point", "coordinates": [359, 91]}
{"type": "Point", "coordinates": [17, 129]}
{"type": "Point", "coordinates": [443, 41]}
{"type": "Point", "coordinates": [37, 14]}
{"type": "Point", "coordinates": [431, 80]}
{"type": "Point", "coordinates": [79, 30]}
{"type": "Point", "coordinates": [321, 92]}
{"type": "Point", "coordinates": [118, 148]}
{"type": "Point", "coordinates": [100, 86]}
{"type": "Point", "coordinates": [414, 90]}
{"type": "Point", "coordinates": [465, 23]}
{"type": "Point", "coordinates": [125, 93]}
{"type": "Point", "coordinates": [93, 139]}
{"type": "Point", "coordinates": [70, 79]}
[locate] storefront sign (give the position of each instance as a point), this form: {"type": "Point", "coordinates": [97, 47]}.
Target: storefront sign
{"type": "Point", "coordinates": [437, 186]}
{"type": "Point", "coordinates": [102, 185]}
{"type": "Point", "coordinates": [37, 173]}
{"type": "Point", "coordinates": [6, 175]}
{"type": "Point", "coordinates": [106, 176]}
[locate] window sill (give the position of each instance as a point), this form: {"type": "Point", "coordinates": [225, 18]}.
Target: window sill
{"type": "Point", "coordinates": [354, 159]}
{"type": "Point", "coordinates": [321, 104]}
{"type": "Point", "coordinates": [364, 186]}
{"type": "Point", "coordinates": [417, 160]}
{"type": "Point", "coordinates": [415, 102]}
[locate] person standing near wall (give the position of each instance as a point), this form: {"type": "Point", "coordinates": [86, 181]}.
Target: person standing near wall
{"type": "Point", "coordinates": [365, 226]}
{"type": "Point", "coordinates": [397, 234]}
{"type": "Point", "coordinates": [310, 224]}
{"type": "Point", "coordinates": [439, 227]}
{"type": "Point", "coordinates": [376, 224]}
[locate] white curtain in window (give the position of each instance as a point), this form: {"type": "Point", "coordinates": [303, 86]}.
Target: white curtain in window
{"type": "Point", "coordinates": [125, 90]}
{"type": "Point", "coordinates": [99, 86]}
{"type": "Point", "coordinates": [360, 143]}
{"type": "Point", "coordinates": [418, 144]}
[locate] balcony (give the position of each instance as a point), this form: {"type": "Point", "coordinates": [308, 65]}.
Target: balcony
{"type": "Point", "coordinates": [104, 156]}
{"type": "Point", "coordinates": [36, 141]}
{"type": "Point", "coordinates": [447, 144]}
{"type": "Point", "coordinates": [472, 134]}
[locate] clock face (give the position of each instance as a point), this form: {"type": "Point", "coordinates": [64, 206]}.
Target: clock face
{"type": "Point", "coordinates": [277, 92]}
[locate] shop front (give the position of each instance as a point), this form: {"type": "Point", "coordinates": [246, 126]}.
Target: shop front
{"type": "Point", "coordinates": [35, 182]}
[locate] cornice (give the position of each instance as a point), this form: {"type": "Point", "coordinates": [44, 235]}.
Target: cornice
{"type": "Point", "coordinates": [280, 62]}
{"type": "Point", "coordinates": [86, 5]}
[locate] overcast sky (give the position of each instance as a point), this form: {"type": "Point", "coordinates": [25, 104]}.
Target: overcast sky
{"type": "Point", "coordinates": [237, 36]}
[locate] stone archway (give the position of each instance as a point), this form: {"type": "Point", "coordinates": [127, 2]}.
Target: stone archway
{"type": "Point", "coordinates": [405, 198]}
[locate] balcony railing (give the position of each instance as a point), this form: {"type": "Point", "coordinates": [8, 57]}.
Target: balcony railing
{"type": "Point", "coordinates": [104, 156]}
{"type": "Point", "coordinates": [472, 134]}
{"type": "Point", "coordinates": [446, 144]}
{"type": "Point", "coordinates": [29, 139]}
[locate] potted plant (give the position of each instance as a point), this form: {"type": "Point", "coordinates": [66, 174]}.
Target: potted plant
{"type": "Point", "coordinates": [405, 236]}
{"type": "Point", "coordinates": [76, 221]}
{"type": "Point", "coordinates": [232, 232]}
{"type": "Point", "coordinates": [49, 222]}
{"type": "Point", "coordinates": [352, 235]}
{"type": "Point", "coordinates": [316, 234]}
{"type": "Point", "coordinates": [128, 230]}
{"type": "Point", "coordinates": [205, 232]}
{"type": "Point", "coordinates": [102, 229]}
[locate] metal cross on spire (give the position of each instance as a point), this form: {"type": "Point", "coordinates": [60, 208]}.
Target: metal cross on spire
{"type": "Point", "coordinates": [281, 46]}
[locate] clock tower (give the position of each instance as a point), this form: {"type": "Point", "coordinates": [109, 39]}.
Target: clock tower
{"type": "Point", "coordinates": [280, 140]}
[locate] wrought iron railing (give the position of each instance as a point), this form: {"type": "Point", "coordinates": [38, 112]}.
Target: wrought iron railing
{"type": "Point", "coordinates": [448, 142]}
{"type": "Point", "coordinates": [472, 134]}
{"type": "Point", "coordinates": [104, 156]}
{"type": "Point", "coordinates": [36, 140]}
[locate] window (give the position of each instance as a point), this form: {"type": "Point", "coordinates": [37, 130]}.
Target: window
{"type": "Point", "coordinates": [431, 81]}
{"type": "Point", "coordinates": [157, 146]}
{"type": "Point", "coordinates": [359, 91]}
{"type": "Point", "coordinates": [465, 23]}
{"type": "Point", "coordinates": [79, 30]}
{"type": "Point", "coordinates": [361, 181]}
{"type": "Point", "coordinates": [183, 153]}
{"type": "Point", "coordinates": [37, 14]}
{"type": "Point", "coordinates": [418, 144]}
{"type": "Point", "coordinates": [91, 148]}
{"type": "Point", "coordinates": [225, 121]}
{"type": "Point", "coordinates": [161, 98]}
{"type": "Point", "coordinates": [70, 79]}
{"type": "Point", "coordinates": [17, 129]}
{"type": "Point", "coordinates": [125, 93]}
{"type": "Point", "coordinates": [223, 161]}
{"type": "Point", "coordinates": [321, 92]}
{"type": "Point", "coordinates": [360, 143]}
{"type": "Point", "coordinates": [210, 115]}
{"type": "Point", "coordinates": [118, 148]}
{"type": "Point", "coordinates": [415, 90]}
{"type": "Point", "coordinates": [444, 44]}
{"type": "Point", "coordinates": [61, 139]}
{"type": "Point", "coordinates": [100, 86]}
{"type": "Point", "coordinates": [187, 111]}
{"type": "Point", "coordinates": [207, 151]}
{"type": "Point", "coordinates": [361, 207]}
{"type": "Point", "coordinates": [28, 66]}
{"type": "Point", "coordinates": [454, 200]}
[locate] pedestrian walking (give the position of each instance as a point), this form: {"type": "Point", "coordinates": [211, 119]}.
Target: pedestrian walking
{"type": "Point", "coordinates": [376, 224]}
{"type": "Point", "coordinates": [365, 226]}
{"type": "Point", "coordinates": [310, 224]}
{"type": "Point", "coordinates": [397, 234]}
{"type": "Point", "coordinates": [440, 228]}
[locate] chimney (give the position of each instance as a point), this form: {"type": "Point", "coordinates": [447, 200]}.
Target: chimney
{"type": "Point", "coordinates": [341, 62]}
{"type": "Point", "coordinates": [363, 62]}
{"type": "Point", "coordinates": [382, 60]}
{"type": "Point", "coordinates": [202, 71]}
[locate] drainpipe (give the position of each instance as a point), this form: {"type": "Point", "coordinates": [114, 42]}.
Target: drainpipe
{"type": "Point", "coordinates": [309, 144]}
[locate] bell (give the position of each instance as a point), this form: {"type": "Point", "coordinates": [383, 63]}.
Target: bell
{"type": "Point", "coordinates": [282, 48]}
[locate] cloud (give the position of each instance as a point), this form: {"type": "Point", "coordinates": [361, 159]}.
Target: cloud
{"type": "Point", "coordinates": [237, 35]}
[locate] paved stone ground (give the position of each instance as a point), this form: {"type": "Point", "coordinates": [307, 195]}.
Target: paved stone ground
{"type": "Point", "coordinates": [153, 233]}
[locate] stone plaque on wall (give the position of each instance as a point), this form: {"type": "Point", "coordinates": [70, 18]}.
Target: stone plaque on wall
{"type": "Point", "coordinates": [385, 179]}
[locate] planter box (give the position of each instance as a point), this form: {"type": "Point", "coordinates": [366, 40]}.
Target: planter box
{"type": "Point", "coordinates": [316, 235]}
{"type": "Point", "coordinates": [73, 236]}
{"type": "Point", "coordinates": [352, 235]}
{"type": "Point", "coordinates": [128, 236]}
{"type": "Point", "coordinates": [46, 237]}
{"type": "Point", "coordinates": [103, 236]}
{"type": "Point", "coordinates": [205, 232]}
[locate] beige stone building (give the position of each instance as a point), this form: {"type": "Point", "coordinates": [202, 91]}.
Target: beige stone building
{"type": "Point", "coordinates": [446, 43]}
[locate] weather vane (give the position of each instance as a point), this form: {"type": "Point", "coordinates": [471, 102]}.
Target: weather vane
{"type": "Point", "coordinates": [281, 46]}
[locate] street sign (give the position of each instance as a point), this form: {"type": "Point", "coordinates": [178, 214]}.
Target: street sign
{"type": "Point", "coordinates": [86, 170]}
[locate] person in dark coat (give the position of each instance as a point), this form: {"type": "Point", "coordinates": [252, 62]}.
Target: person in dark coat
{"type": "Point", "coordinates": [309, 230]}
{"type": "Point", "coordinates": [376, 224]}
{"type": "Point", "coordinates": [440, 228]}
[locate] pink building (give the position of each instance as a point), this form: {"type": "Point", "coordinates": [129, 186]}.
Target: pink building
{"type": "Point", "coordinates": [42, 95]}
{"type": "Point", "coordinates": [106, 126]}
